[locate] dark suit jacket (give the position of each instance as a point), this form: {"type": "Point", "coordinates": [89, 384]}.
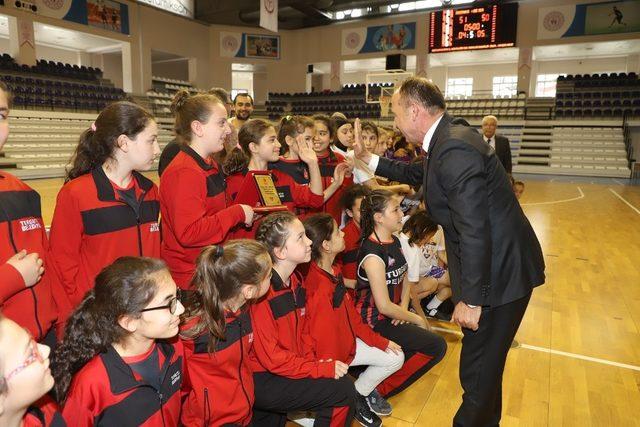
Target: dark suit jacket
{"type": "Point", "coordinates": [503, 151]}
{"type": "Point", "coordinates": [493, 253]}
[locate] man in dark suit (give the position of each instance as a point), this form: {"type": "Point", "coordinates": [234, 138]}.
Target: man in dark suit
{"type": "Point", "coordinates": [494, 256]}
{"type": "Point", "coordinates": [498, 142]}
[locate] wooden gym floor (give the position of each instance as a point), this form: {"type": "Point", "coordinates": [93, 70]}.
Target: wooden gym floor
{"type": "Point", "coordinates": [578, 363]}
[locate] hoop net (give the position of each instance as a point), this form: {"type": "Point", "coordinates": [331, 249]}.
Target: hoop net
{"type": "Point", "coordinates": [385, 100]}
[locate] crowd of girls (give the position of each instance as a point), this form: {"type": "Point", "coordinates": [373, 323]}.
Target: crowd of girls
{"type": "Point", "coordinates": [179, 304]}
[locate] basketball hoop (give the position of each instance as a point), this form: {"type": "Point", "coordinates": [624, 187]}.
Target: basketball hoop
{"type": "Point", "coordinates": [385, 102]}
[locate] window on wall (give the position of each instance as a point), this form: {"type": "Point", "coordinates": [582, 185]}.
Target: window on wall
{"type": "Point", "coordinates": [459, 87]}
{"type": "Point", "coordinates": [546, 84]}
{"type": "Point", "coordinates": [505, 86]}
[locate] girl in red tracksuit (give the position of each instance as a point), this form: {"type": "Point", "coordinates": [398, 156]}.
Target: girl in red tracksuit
{"type": "Point", "coordinates": [26, 284]}
{"type": "Point", "coordinates": [329, 161]}
{"type": "Point", "coordinates": [287, 375]}
{"type": "Point", "coordinates": [195, 212]}
{"type": "Point", "coordinates": [106, 209]}
{"type": "Point", "coordinates": [119, 363]}
{"type": "Point", "coordinates": [259, 147]}
{"type": "Point", "coordinates": [350, 202]}
{"type": "Point", "coordinates": [330, 308]}
{"type": "Point", "coordinates": [218, 335]}
{"type": "Point", "coordinates": [290, 131]}
{"type": "Point", "coordinates": [24, 380]}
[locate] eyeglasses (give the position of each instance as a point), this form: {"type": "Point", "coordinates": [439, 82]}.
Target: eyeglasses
{"type": "Point", "coordinates": [172, 306]}
{"type": "Point", "coordinates": [34, 356]}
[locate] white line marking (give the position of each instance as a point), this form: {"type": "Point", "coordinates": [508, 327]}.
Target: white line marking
{"type": "Point", "coordinates": [580, 356]}
{"type": "Point", "coordinates": [581, 196]}
{"type": "Point", "coordinates": [556, 352]}
{"type": "Point", "coordinates": [623, 199]}
{"type": "Point", "coordinates": [618, 182]}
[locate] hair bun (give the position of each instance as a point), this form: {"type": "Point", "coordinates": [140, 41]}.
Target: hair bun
{"type": "Point", "coordinates": [179, 100]}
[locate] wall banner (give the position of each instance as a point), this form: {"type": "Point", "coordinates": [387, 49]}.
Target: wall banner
{"type": "Point", "coordinates": [106, 14]}
{"type": "Point", "coordinates": [611, 17]}
{"type": "Point", "coordinates": [379, 38]}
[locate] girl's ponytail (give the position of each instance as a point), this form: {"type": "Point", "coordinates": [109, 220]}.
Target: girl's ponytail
{"type": "Point", "coordinates": [98, 143]}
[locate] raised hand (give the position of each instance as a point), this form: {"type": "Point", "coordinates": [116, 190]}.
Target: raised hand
{"type": "Point", "coordinates": [359, 149]}
{"type": "Point", "coordinates": [340, 172]}
{"type": "Point", "coordinates": [305, 150]}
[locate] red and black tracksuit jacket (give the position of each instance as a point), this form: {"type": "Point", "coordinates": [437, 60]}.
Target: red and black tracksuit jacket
{"type": "Point", "coordinates": [21, 227]}
{"type": "Point", "coordinates": [299, 171]}
{"type": "Point", "coordinates": [280, 346]}
{"type": "Point", "coordinates": [107, 392]}
{"type": "Point", "coordinates": [349, 257]}
{"type": "Point", "coordinates": [332, 323]}
{"type": "Point", "coordinates": [292, 195]}
{"type": "Point", "coordinates": [93, 226]}
{"type": "Point", "coordinates": [195, 212]}
{"type": "Point", "coordinates": [219, 385]}
{"type": "Point", "coordinates": [45, 413]}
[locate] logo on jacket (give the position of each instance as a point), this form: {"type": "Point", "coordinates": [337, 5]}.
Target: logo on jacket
{"type": "Point", "coordinates": [250, 337]}
{"type": "Point", "coordinates": [30, 224]}
{"type": "Point", "coordinates": [391, 262]}
{"type": "Point", "coordinates": [155, 227]}
{"type": "Point", "coordinates": [175, 377]}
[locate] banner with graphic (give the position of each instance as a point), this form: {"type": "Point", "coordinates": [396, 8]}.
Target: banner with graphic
{"type": "Point", "coordinates": [269, 15]}
{"type": "Point", "coordinates": [243, 45]}
{"type": "Point", "coordinates": [379, 38]}
{"type": "Point", "coordinates": [107, 14]}
{"type": "Point", "coordinates": [611, 17]}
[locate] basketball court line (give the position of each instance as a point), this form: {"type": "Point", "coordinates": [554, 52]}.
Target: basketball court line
{"type": "Point", "coordinates": [625, 201]}
{"type": "Point", "coordinates": [618, 182]}
{"type": "Point", "coordinates": [553, 202]}
{"type": "Point", "coordinates": [556, 352]}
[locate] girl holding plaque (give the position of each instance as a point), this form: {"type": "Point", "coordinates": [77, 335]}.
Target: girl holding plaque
{"type": "Point", "coordinates": [194, 207]}
{"type": "Point", "coordinates": [260, 146]}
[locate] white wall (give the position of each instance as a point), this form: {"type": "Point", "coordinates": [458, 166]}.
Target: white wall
{"type": "Point", "coordinates": [242, 80]}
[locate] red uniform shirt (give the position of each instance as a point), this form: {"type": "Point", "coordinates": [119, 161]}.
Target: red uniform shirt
{"type": "Point", "coordinates": [93, 226]}
{"type": "Point", "coordinates": [194, 212]}
{"type": "Point", "coordinates": [21, 227]}
{"type": "Point", "coordinates": [280, 346]}
{"type": "Point", "coordinates": [291, 195]}
{"type": "Point", "coordinates": [299, 172]}
{"type": "Point", "coordinates": [107, 392]}
{"type": "Point", "coordinates": [219, 385]}
{"type": "Point", "coordinates": [332, 323]}
{"type": "Point", "coordinates": [45, 413]}
{"type": "Point", "coordinates": [349, 256]}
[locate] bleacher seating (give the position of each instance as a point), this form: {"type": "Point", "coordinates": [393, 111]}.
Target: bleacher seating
{"type": "Point", "coordinates": [598, 96]}
{"type": "Point", "coordinates": [162, 93]}
{"type": "Point", "coordinates": [350, 100]}
{"type": "Point", "coordinates": [57, 86]}
{"type": "Point", "coordinates": [571, 147]}
{"type": "Point", "coordinates": [41, 143]}
{"type": "Point", "coordinates": [480, 106]}
{"type": "Point", "coordinates": [51, 68]}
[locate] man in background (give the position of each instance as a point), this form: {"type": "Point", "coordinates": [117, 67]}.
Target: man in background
{"type": "Point", "coordinates": [498, 142]}
{"type": "Point", "coordinates": [243, 105]}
